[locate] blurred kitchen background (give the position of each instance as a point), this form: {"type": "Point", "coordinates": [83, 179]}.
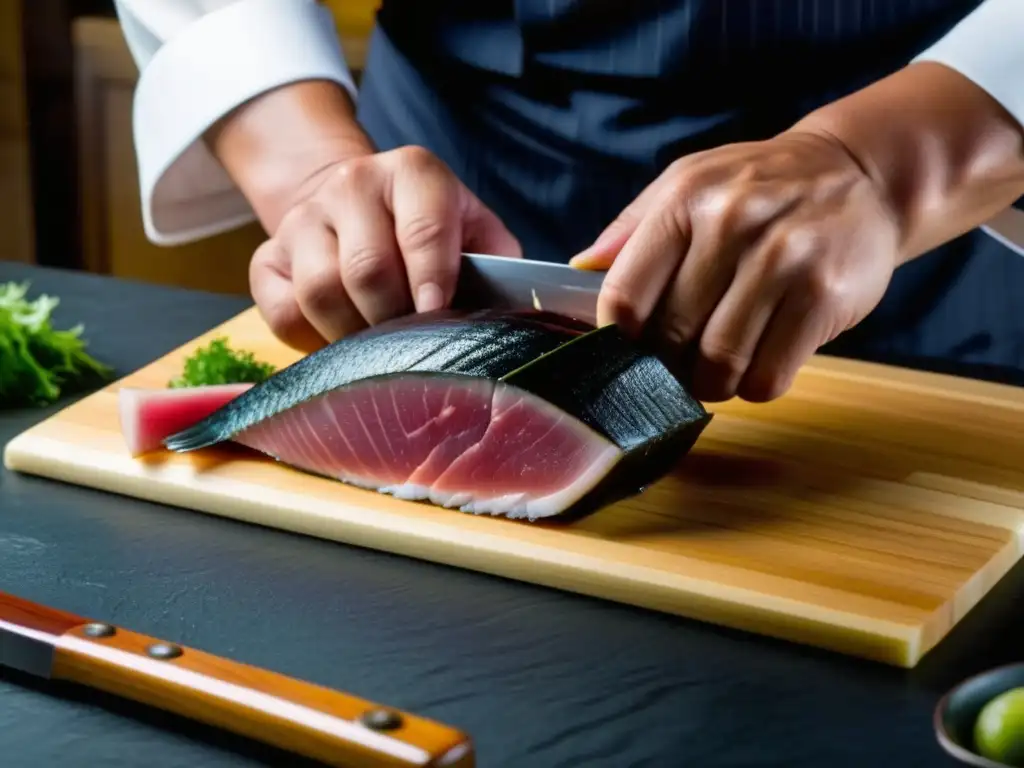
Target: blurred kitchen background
{"type": "Point", "coordinates": [69, 194]}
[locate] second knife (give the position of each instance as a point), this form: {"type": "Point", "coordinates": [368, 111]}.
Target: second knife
{"type": "Point", "coordinates": [309, 720]}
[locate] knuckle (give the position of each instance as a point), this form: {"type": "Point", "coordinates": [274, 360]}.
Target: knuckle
{"type": "Point", "coordinates": [417, 158]}
{"type": "Point", "coordinates": [789, 250]}
{"type": "Point", "coordinates": [268, 252]}
{"type": "Point", "coordinates": [822, 286]}
{"type": "Point", "coordinates": [616, 299]}
{"type": "Point", "coordinates": [723, 355]}
{"type": "Point", "coordinates": [617, 305]}
{"type": "Point", "coordinates": [750, 206]}
{"type": "Point", "coordinates": [686, 184]}
{"type": "Point", "coordinates": [355, 174]}
{"type": "Point", "coordinates": [366, 268]}
{"type": "Point", "coordinates": [776, 261]}
{"type": "Point", "coordinates": [320, 291]}
{"type": "Point", "coordinates": [802, 241]}
{"type": "Point", "coordinates": [679, 329]}
{"type": "Point", "coordinates": [422, 231]}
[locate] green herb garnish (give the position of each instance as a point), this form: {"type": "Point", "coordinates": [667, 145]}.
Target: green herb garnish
{"type": "Point", "coordinates": [217, 363]}
{"type": "Point", "coordinates": [38, 363]}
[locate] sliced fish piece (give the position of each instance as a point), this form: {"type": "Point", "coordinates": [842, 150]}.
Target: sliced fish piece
{"type": "Point", "coordinates": [148, 416]}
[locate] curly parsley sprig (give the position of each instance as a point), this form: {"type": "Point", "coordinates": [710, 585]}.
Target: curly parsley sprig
{"type": "Point", "coordinates": [38, 363]}
{"type": "Point", "coordinates": [218, 363]}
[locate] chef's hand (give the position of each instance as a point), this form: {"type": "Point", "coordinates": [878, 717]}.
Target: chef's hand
{"type": "Point", "coordinates": [380, 236]}
{"type": "Point", "coordinates": [755, 253]}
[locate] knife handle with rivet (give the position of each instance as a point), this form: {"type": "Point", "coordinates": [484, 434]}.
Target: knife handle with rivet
{"type": "Point", "coordinates": [306, 719]}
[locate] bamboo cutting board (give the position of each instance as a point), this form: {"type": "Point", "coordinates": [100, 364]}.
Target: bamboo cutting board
{"type": "Point", "coordinates": [865, 512]}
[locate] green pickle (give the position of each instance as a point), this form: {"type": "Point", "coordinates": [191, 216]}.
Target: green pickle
{"type": "Point", "coordinates": [999, 730]}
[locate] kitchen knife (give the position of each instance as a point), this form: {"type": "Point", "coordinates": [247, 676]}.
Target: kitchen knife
{"type": "Point", "coordinates": [326, 725]}
{"type": "Point", "coordinates": [508, 283]}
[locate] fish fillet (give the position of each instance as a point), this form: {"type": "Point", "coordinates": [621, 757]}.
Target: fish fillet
{"type": "Point", "coordinates": [520, 414]}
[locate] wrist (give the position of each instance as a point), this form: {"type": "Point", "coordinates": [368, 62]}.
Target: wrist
{"type": "Point", "coordinates": [279, 146]}
{"type": "Point", "coordinates": [944, 155]}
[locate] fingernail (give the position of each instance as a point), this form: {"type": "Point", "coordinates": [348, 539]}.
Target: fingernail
{"type": "Point", "coordinates": [429, 297]}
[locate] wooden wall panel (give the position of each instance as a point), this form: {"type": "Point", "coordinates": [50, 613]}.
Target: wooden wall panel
{"type": "Point", "coordinates": [16, 221]}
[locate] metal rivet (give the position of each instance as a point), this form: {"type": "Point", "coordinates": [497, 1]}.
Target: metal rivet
{"type": "Point", "coordinates": [98, 629]}
{"type": "Point", "coordinates": [164, 651]}
{"type": "Point", "coordinates": [381, 719]}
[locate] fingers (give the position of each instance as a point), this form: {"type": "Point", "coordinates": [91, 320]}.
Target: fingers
{"type": "Point", "coordinates": [784, 302]}
{"type": "Point", "coordinates": [381, 237]}
{"type": "Point", "coordinates": [699, 285]}
{"type": "Point", "coordinates": [372, 271]}
{"type": "Point", "coordinates": [317, 279]}
{"type": "Point", "coordinates": [641, 271]}
{"type": "Point", "coordinates": [794, 333]}
{"type": "Point", "coordinates": [271, 286]}
{"type": "Point", "coordinates": [424, 199]}
{"type": "Point", "coordinates": [736, 323]}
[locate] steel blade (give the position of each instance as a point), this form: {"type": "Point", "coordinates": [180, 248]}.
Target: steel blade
{"type": "Point", "coordinates": [26, 649]}
{"type": "Point", "coordinates": [506, 283]}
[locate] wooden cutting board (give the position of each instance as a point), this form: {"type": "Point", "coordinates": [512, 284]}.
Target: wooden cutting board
{"type": "Point", "coordinates": [866, 511]}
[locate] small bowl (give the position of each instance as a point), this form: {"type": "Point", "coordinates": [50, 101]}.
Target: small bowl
{"type": "Point", "coordinates": [957, 712]}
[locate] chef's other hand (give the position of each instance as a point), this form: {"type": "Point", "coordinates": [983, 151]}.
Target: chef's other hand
{"type": "Point", "coordinates": [380, 236]}
{"type": "Point", "coordinates": [755, 253]}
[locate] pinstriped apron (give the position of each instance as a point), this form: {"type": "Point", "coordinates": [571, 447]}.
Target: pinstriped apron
{"type": "Point", "coordinates": [557, 113]}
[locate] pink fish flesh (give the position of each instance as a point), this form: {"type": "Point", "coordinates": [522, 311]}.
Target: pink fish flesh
{"type": "Point", "coordinates": [475, 444]}
{"type": "Point", "coordinates": [149, 416]}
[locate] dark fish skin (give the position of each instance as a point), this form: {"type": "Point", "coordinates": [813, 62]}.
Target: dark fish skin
{"type": "Point", "coordinates": [615, 386]}
{"type": "Point", "coordinates": [484, 343]}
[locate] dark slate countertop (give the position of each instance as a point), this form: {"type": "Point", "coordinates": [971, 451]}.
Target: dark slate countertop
{"type": "Point", "coordinates": [539, 678]}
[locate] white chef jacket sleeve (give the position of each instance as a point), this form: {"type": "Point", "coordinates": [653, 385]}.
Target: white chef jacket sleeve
{"type": "Point", "coordinates": [987, 47]}
{"type": "Point", "coordinates": [198, 60]}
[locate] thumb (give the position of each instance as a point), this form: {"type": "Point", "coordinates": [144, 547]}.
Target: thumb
{"type": "Point", "coordinates": [483, 232]}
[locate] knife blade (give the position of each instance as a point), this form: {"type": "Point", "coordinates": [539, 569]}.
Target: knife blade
{"type": "Point", "coordinates": [509, 283]}
{"type": "Point", "coordinates": [329, 726]}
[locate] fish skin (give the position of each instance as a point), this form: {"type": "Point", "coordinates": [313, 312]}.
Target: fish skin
{"type": "Point", "coordinates": [483, 343]}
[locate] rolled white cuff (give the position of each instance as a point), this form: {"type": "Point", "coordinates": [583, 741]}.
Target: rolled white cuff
{"type": "Point", "coordinates": [988, 48]}
{"type": "Point", "coordinates": [217, 63]}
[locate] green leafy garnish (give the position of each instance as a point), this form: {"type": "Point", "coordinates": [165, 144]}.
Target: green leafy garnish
{"type": "Point", "coordinates": [217, 363]}
{"type": "Point", "coordinates": [38, 363]}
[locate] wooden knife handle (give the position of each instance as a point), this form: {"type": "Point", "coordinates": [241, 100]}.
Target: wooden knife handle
{"type": "Point", "coordinates": [306, 719]}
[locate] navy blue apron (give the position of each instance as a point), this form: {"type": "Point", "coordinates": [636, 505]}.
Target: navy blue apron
{"type": "Point", "coordinates": [557, 113]}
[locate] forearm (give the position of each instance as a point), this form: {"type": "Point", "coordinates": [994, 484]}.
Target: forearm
{"type": "Point", "coordinates": [276, 146]}
{"type": "Point", "coordinates": [945, 153]}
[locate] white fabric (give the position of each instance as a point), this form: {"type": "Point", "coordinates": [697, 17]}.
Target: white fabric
{"type": "Point", "coordinates": [988, 48]}
{"type": "Point", "coordinates": [198, 60]}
